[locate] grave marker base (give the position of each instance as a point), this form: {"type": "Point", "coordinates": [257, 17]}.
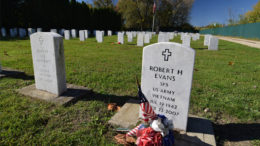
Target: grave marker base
{"type": "Point", "coordinates": [199, 131]}
{"type": "Point", "coordinates": [72, 94]}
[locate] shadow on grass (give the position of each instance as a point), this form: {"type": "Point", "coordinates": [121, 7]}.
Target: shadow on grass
{"type": "Point", "coordinates": [10, 73]}
{"type": "Point", "coordinates": [200, 48]}
{"type": "Point", "coordinates": [106, 98]}
{"type": "Point", "coordinates": [235, 132]}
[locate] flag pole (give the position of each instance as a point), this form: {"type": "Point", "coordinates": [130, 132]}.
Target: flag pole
{"type": "Point", "coordinates": [154, 9]}
{"type": "Point", "coordinates": [153, 22]}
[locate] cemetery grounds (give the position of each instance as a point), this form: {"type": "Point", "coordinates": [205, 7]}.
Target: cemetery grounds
{"type": "Point", "coordinates": [226, 90]}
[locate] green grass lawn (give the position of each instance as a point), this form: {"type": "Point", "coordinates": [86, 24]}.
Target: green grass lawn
{"type": "Point", "coordinates": [231, 92]}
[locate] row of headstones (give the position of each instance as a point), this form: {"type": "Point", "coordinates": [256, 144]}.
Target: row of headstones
{"type": "Point", "coordinates": [166, 74]}
{"type": "Point", "coordinates": [145, 37]}
{"type": "Point", "coordinates": [142, 37]}
{"type": "Point", "coordinates": [211, 42]}
{"type": "Point", "coordinates": [19, 31]}
{"type": "Point", "coordinates": [66, 33]}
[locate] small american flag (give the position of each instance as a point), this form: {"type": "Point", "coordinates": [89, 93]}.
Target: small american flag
{"type": "Point", "coordinates": [154, 6]}
{"type": "Point", "coordinates": [133, 132]}
{"type": "Point", "coordinates": [148, 113]}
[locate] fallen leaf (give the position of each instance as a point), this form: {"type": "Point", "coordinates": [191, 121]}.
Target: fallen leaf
{"type": "Point", "coordinates": [121, 139]}
{"type": "Point", "coordinates": [111, 106]}
{"type": "Point", "coordinates": [231, 63]}
{"type": "Point", "coordinates": [118, 108]}
{"type": "Point", "coordinates": [130, 139]}
{"type": "Point", "coordinates": [196, 69]}
{"type": "Point", "coordinates": [5, 53]}
{"type": "Point", "coordinates": [206, 110]}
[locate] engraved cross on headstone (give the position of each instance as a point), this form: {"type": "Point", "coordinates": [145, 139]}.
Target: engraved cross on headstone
{"type": "Point", "coordinates": [166, 53]}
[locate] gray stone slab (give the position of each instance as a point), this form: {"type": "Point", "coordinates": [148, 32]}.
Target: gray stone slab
{"type": "Point", "coordinates": [72, 94]}
{"type": "Point", "coordinates": [128, 115]}
{"type": "Point", "coordinates": [199, 130]}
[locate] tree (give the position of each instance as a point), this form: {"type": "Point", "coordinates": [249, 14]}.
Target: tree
{"type": "Point", "coordinates": [169, 13]}
{"type": "Point", "coordinates": [103, 3]}
{"type": "Point", "coordinates": [58, 14]}
{"type": "Point", "coordinates": [251, 16]}
{"type": "Point", "coordinates": [254, 15]}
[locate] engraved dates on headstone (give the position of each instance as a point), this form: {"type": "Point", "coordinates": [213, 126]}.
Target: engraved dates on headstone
{"type": "Point", "coordinates": [48, 62]}
{"type": "Point", "coordinates": [167, 71]}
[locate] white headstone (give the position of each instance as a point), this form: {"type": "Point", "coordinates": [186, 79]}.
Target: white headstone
{"type": "Point", "coordinates": [39, 29]}
{"type": "Point", "coordinates": [3, 32]}
{"type": "Point", "coordinates": [73, 33]}
{"type": "Point", "coordinates": [54, 30]}
{"type": "Point", "coordinates": [109, 33]}
{"type": "Point", "coordinates": [186, 40]}
{"type": "Point", "coordinates": [22, 32]}
{"type": "Point", "coordinates": [48, 62]}
{"type": "Point", "coordinates": [12, 32]}
{"type": "Point", "coordinates": [67, 34]}
{"type": "Point", "coordinates": [86, 34]}
{"type": "Point", "coordinates": [120, 37]}
{"type": "Point", "coordinates": [130, 37]}
{"type": "Point", "coordinates": [162, 37]}
{"type": "Point", "coordinates": [62, 31]}
{"type": "Point", "coordinates": [140, 39]}
{"type": "Point", "coordinates": [167, 72]}
{"type": "Point", "coordinates": [31, 31]}
{"type": "Point", "coordinates": [99, 36]}
{"type": "Point", "coordinates": [15, 30]}
{"type": "Point", "coordinates": [81, 35]}
{"type": "Point", "coordinates": [147, 38]}
{"type": "Point", "coordinates": [213, 43]}
{"type": "Point", "coordinates": [206, 39]}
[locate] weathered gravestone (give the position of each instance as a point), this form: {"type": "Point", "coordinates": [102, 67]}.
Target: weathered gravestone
{"type": "Point", "coordinates": [130, 37]}
{"type": "Point", "coordinates": [99, 36]}
{"type": "Point", "coordinates": [81, 35]}
{"type": "Point", "coordinates": [49, 71]}
{"type": "Point", "coordinates": [86, 34]}
{"type": "Point", "coordinates": [31, 31]}
{"type": "Point", "coordinates": [22, 32]}
{"type": "Point", "coordinates": [109, 33]}
{"type": "Point", "coordinates": [206, 39]}
{"type": "Point", "coordinates": [67, 34]}
{"type": "Point", "coordinates": [3, 32]}
{"type": "Point", "coordinates": [140, 39]}
{"type": "Point", "coordinates": [147, 38]}
{"type": "Point", "coordinates": [48, 62]}
{"type": "Point", "coordinates": [120, 37]}
{"type": "Point", "coordinates": [73, 33]}
{"type": "Point", "coordinates": [53, 30]}
{"type": "Point", "coordinates": [61, 32]}
{"type": "Point", "coordinates": [13, 32]}
{"type": "Point", "coordinates": [163, 37]}
{"type": "Point", "coordinates": [213, 43]}
{"type": "Point", "coordinates": [167, 73]}
{"type": "Point", "coordinates": [186, 40]}
{"type": "Point", "coordinates": [39, 29]}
